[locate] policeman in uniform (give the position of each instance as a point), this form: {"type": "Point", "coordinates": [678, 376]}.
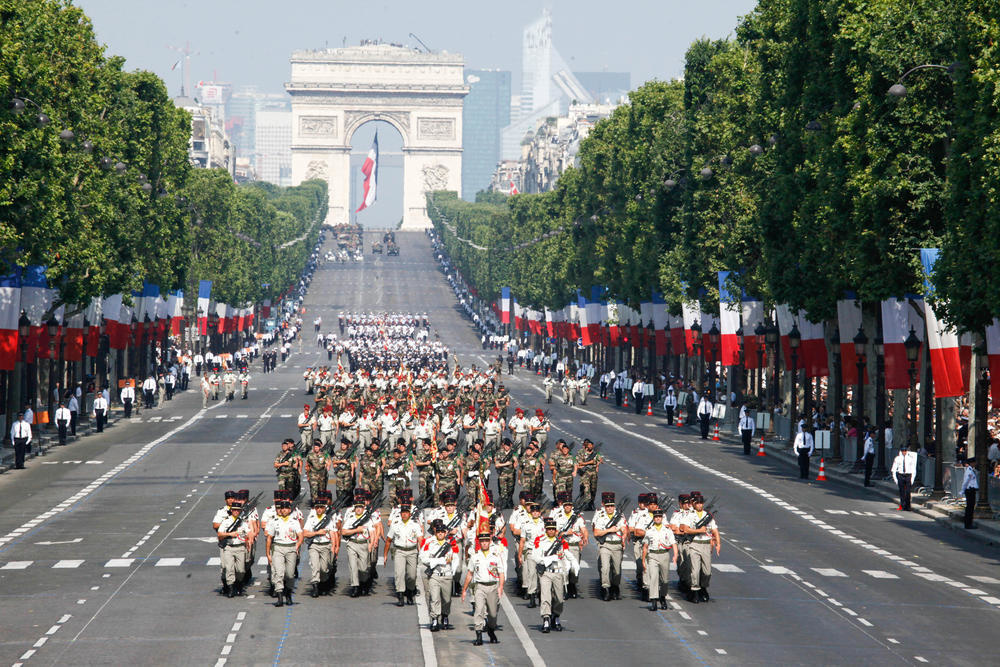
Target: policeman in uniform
{"type": "Point", "coordinates": [704, 413]}
{"type": "Point", "coordinates": [439, 555]}
{"type": "Point", "coordinates": [322, 536]}
{"type": "Point", "coordinates": [610, 531]}
{"type": "Point", "coordinates": [62, 422]}
{"type": "Point", "coordinates": [487, 570]}
{"type": "Point", "coordinates": [128, 398]}
{"type": "Point", "coordinates": [657, 552]}
{"type": "Point", "coordinates": [284, 537]}
{"type": "Point", "coordinates": [747, 428]}
{"type": "Point", "coordinates": [670, 404]}
{"type": "Point", "coordinates": [403, 538]}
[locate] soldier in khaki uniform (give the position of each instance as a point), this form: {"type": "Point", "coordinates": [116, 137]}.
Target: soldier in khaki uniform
{"type": "Point", "coordinates": [588, 463]}
{"type": "Point", "coordinates": [233, 536]}
{"type": "Point", "coordinates": [488, 570]}
{"type": "Point", "coordinates": [403, 538]}
{"type": "Point", "coordinates": [360, 541]}
{"type": "Point", "coordinates": [574, 534]}
{"type": "Point", "coordinates": [551, 556]}
{"type": "Point", "coordinates": [530, 527]}
{"type": "Point", "coordinates": [439, 555]}
{"type": "Point", "coordinates": [657, 553]}
{"type": "Point", "coordinates": [288, 467]}
{"type": "Point", "coordinates": [321, 533]}
{"type": "Point", "coordinates": [284, 537]}
{"type": "Point", "coordinates": [610, 531]}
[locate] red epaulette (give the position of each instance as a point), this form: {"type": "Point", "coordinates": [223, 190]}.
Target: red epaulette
{"type": "Point", "coordinates": [503, 541]}
{"type": "Point", "coordinates": [538, 540]}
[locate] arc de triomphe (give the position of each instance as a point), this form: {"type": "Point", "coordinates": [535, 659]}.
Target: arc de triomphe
{"type": "Point", "coordinates": [336, 91]}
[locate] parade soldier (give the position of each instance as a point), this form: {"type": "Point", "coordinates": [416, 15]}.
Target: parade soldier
{"type": "Point", "coordinates": [548, 383]}
{"type": "Point", "coordinates": [424, 459]}
{"type": "Point", "coordinates": [360, 541]}
{"type": "Point", "coordinates": [284, 537]}
{"type": "Point", "coordinates": [574, 535]}
{"type": "Point", "coordinates": [678, 524]}
{"type": "Point", "coordinates": [610, 531]}
{"type": "Point", "coordinates": [288, 467]}
{"type": "Point", "coordinates": [470, 426]}
{"type": "Point", "coordinates": [588, 463]}
{"type": "Point", "coordinates": [530, 528]}
{"type": "Point", "coordinates": [233, 537]}
{"type": "Point", "coordinates": [704, 413]}
{"type": "Point", "coordinates": [222, 515]}
{"type": "Point", "coordinates": [440, 556]}
{"type": "Point", "coordinates": [306, 424]}
{"type": "Point", "coordinates": [552, 558]}
{"type": "Point", "coordinates": [704, 534]}
{"type": "Point", "coordinates": [325, 423]}
{"type": "Point", "coordinates": [487, 571]}
{"type": "Point", "coordinates": [637, 522]}
{"type": "Point", "coordinates": [532, 469]}
{"type": "Point", "coordinates": [317, 470]}
{"type": "Point", "coordinates": [397, 473]}
{"type": "Point", "coordinates": [229, 380]}
{"type": "Point", "coordinates": [245, 383]}
{"type": "Point", "coordinates": [321, 532]}
{"type": "Point", "coordinates": [539, 426]}
{"type": "Point", "coordinates": [506, 464]}
{"type": "Point", "coordinates": [403, 538]}
{"type": "Point", "coordinates": [448, 470]}
{"type": "Point", "coordinates": [658, 551]}
{"type": "Point", "coordinates": [344, 469]}
{"type": "Point", "coordinates": [519, 426]}
{"type": "Point", "coordinates": [563, 467]}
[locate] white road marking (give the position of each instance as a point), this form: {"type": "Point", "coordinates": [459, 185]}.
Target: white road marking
{"type": "Point", "coordinates": [120, 562]}
{"type": "Point", "coordinates": [529, 646]}
{"type": "Point", "coordinates": [726, 567]}
{"type": "Point", "coordinates": [837, 511]}
{"type": "Point", "coordinates": [67, 564]}
{"type": "Point", "coordinates": [423, 621]}
{"type": "Point", "coordinates": [169, 562]}
{"type": "Point", "coordinates": [985, 580]}
{"type": "Point", "coordinates": [827, 572]}
{"type": "Point", "coordinates": [17, 565]}
{"type": "Point", "coordinates": [880, 574]}
{"type": "Point", "coordinates": [776, 569]}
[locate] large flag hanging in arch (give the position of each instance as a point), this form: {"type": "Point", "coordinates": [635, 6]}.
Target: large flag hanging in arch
{"type": "Point", "coordinates": [370, 170]}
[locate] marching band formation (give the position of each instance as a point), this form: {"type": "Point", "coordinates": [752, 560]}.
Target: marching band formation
{"type": "Point", "coordinates": [387, 411]}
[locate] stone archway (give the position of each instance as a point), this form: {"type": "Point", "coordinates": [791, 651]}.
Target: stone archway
{"type": "Point", "coordinates": [336, 91]}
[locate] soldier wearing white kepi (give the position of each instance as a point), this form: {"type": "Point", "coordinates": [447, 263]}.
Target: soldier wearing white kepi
{"type": "Point", "coordinates": [610, 531]}
{"type": "Point", "coordinates": [284, 537]}
{"type": "Point", "coordinates": [487, 571]}
{"type": "Point", "coordinates": [704, 532]}
{"type": "Point", "coordinates": [233, 536]}
{"type": "Point", "coordinates": [531, 527]}
{"type": "Point", "coordinates": [359, 538]}
{"type": "Point", "coordinates": [573, 534]}
{"type": "Point", "coordinates": [403, 538]}
{"type": "Point", "coordinates": [321, 531]}
{"type": "Point", "coordinates": [551, 556]}
{"type": "Point", "coordinates": [548, 383]}
{"type": "Point", "coordinates": [678, 524]}
{"type": "Point", "coordinates": [657, 553]}
{"type": "Point", "coordinates": [440, 556]}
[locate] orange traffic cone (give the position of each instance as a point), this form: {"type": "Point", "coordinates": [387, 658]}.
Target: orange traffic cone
{"type": "Point", "coordinates": [822, 471]}
{"type": "Point", "coordinates": [715, 436]}
{"type": "Point", "coordinates": [760, 452]}
{"type": "Point", "coordinates": [626, 400]}
{"type": "Point", "coordinates": [680, 419]}
{"type": "Point", "coordinates": [538, 370]}
{"type": "Point", "coordinates": [649, 409]}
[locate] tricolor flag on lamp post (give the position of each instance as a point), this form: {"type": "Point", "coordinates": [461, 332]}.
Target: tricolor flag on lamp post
{"type": "Point", "coordinates": [946, 361]}
{"type": "Point", "coordinates": [204, 298]}
{"type": "Point", "coordinates": [370, 170]}
{"type": "Point", "coordinates": [660, 323]}
{"type": "Point", "coordinates": [505, 305]}
{"type": "Point", "coordinates": [10, 313]}
{"type": "Point", "coordinates": [729, 317]}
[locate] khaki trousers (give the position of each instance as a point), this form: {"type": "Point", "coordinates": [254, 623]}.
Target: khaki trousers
{"type": "Point", "coordinates": [610, 560]}
{"type": "Point", "coordinates": [320, 561]}
{"type": "Point", "coordinates": [405, 564]}
{"type": "Point", "coordinates": [487, 597]}
{"type": "Point", "coordinates": [283, 560]}
{"type": "Point", "coordinates": [234, 563]}
{"type": "Point", "coordinates": [551, 585]}
{"type": "Point", "coordinates": [659, 574]}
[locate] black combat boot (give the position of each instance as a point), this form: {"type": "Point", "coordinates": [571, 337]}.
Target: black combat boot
{"type": "Point", "coordinates": [231, 591]}
{"type": "Point", "coordinates": [353, 591]}
{"type": "Point", "coordinates": [531, 601]}
{"type": "Point", "coordinates": [434, 625]}
{"type": "Point", "coordinates": [616, 591]}
{"type": "Point", "coordinates": [546, 625]}
{"type": "Point", "coordinates": [225, 589]}
{"type": "Point", "coordinates": [399, 599]}
{"type": "Point", "coordinates": [288, 597]}
{"type": "Point", "coordinates": [556, 625]}
{"type": "Point", "coordinates": [281, 601]}
{"type": "Point", "coordinates": [693, 597]}
{"type": "Point", "coordinates": [314, 591]}
{"type": "Point", "coordinates": [652, 605]}
{"type": "Point", "coordinates": [645, 595]}
{"type": "Point", "coordinates": [703, 595]}
{"type": "Point", "coordinates": [605, 594]}
{"type": "Point", "coordinates": [446, 624]}
{"type": "Point", "coordinates": [409, 597]}
{"type": "Point", "coordinates": [663, 603]}
{"type": "Point", "coordinates": [478, 641]}
{"type": "Point", "coordinates": [493, 635]}
{"type": "Point", "coordinates": [571, 590]}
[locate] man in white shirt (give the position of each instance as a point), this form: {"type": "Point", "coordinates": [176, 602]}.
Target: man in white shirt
{"type": "Point", "coordinates": [74, 408]}
{"type": "Point", "coordinates": [62, 422]}
{"type": "Point", "coordinates": [803, 447]}
{"type": "Point", "coordinates": [747, 428]}
{"type": "Point", "coordinates": [128, 399]}
{"type": "Point", "coordinates": [970, 487]}
{"type": "Point", "coordinates": [868, 455]}
{"type": "Point", "coordinates": [704, 415]}
{"type": "Point", "coordinates": [100, 411]}
{"type": "Point", "coordinates": [20, 435]}
{"type": "Point", "coordinates": [670, 404]}
{"type": "Point", "coordinates": [149, 387]}
{"type": "Point", "coordinates": [904, 468]}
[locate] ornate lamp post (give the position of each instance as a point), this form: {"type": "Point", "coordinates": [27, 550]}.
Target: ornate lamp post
{"type": "Point", "coordinates": [52, 328]}
{"type": "Point", "coordinates": [912, 345]}
{"type": "Point", "coordinates": [835, 381]}
{"type": "Point", "coordinates": [880, 470]}
{"type": "Point", "coordinates": [771, 338]}
{"type": "Point", "coordinates": [23, 329]}
{"type": "Point", "coordinates": [696, 347]}
{"type": "Point", "coordinates": [860, 344]}
{"type": "Point", "coordinates": [713, 343]}
{"type": "Point", "coordinates": [213, 327]}
{"type": "Point", "coordinates": [651, 347]}
{"type": "Point", "coordinates": [794, 340]}
{"type": "Point", "coordinates": [761, 333]}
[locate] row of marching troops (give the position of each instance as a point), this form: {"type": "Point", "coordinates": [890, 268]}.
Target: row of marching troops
{"type": "Point", "coordinates": [461, 544]}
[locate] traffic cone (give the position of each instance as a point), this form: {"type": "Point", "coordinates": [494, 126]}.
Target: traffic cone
{"type": "Point", "coordinates": [760, 452]}
{"type": "Point", "coordinates": [822, 471]}
{"type": "Point", "coordinates": [680, 419]}
{"type": "Point", "coordinates": [715, 436]}
{"type": "Point", "coordinates": [649, 409]}
{"type": "Point", "coordinates": [626, 399]}
{"type": "Point", "coordinates": [538, 371]}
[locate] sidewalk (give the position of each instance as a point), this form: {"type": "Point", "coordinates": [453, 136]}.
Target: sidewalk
{"type": "Point", "coordinates": [951, 515]}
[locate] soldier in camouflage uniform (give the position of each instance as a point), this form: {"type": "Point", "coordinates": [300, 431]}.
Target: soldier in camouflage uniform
{"type": "Point", "coordinates": [448, 469]}
{"type": "Point", "coordinates": [424, 459]}
{"type": "Point", "coordinates": [562, 466]}
{"type": "Point", "coordinates": [475, 467]}
{"type": "Point", "coordinates": [288, 467]}
{"type": "Point", "coordinates": [370, 464]}
{"type": "Point", "coordinates": [532, 469]}
{"type": "Point", "coordinates": [588, 462]}
{"type": "Point", "coordinates": [503, 401]}
{"type": "Point", "coordinates": [397, 473]}
{"type": "Point", "coordinates": [317, 469]}
{"type": "Point", "coordinates": [344, 469]}
{"type": "Point", "coordinates": [506, 464]}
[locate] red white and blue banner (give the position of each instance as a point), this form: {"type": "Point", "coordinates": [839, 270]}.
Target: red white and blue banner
{"type": "Point", "coordinates": [729, 318]}
{"type": "Point", "coordinates": [10, 313]}
{"type": "Point", "coordinates": [899, 317]}
{"type": "Point", "coordinates": [942, 343]}
{"type": "Point", "coordinates": [370, 170]}
{"type": "Point", "coordinates": [505, 305]}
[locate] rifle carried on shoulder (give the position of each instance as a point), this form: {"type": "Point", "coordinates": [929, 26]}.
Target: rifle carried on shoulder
{"type": "Point", "coordinates": [245, 512]}
{"type": "Point", "coordinates": [369, 510]}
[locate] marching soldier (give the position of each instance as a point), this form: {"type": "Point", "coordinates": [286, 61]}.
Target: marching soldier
{"type": "Point", "coordinates": [245, 382]}
{"type": "Point", "coordinates": [563, 468]}
{"type": "Point", "coordinates": [532, 469]}
{"type": "Point", "coordinates": [588, 463]}
{"type": "Point", "coordinates": [637, 522]}
{"type": "Point", "coordinates": [403, 538]}
{"type": "Point", "coordinates": [288, 467]}
{"type": "Point", "coordinates": [317, 470]}
{"type": "Point", "coordinates": [531, 527]}
{"type": "Point", "coordinates": [492, 428]}
{"type": "Point", "coordinates": [284, 537]}
{"type": "Point", "coordinates": [506, 464]}
{"type": "Point", "coordinates": [370, 466]}
{"type": "Point", "coordinates": [610, 531]}
{"type": "Point", "coordinates": [452, 519]}
{"type": "Point", "coordinates": [470, 426]}
{"type": "Point", "coordinates": [449, 470]}
{"type": "Point", "coordinates": [344, 469]}
{"type": "Point", "coordinates": [222, 515]}
{"type": "Point", "coordinates": [360, 539]}
{"type": "Point", "coordinates": [440, 556]}
{"type": "Point", "coordinates": [657, 552]}
{"type": "Point", "coordinates": [233, 537]}
{"type": "Point", "coordinates": [321, 530]}
{"type": "Point", "coordinates": [519, 515]}
{"type": "Point", "coordinates": [487, 572]}
{"type": "Point", "coordinates": [553, 560]}
{"type": "Point", "coordinates": [424, 459]}
{"type": "Point", "coordinates": [325, 424]}
{"type": "Point", "coordinates": [548, 383]}
{"type": "Point", "coordinates": [229, 380]}
{"type": "Point", "coordinates": [519, 426]}
{"type": "Point", "coordinates": [539, 427]}
{"type": "Point", "coordinates": [678, 524]}
{"type": "Point", "coordinates": [574, 535]}
{"type": "Point", "coordinates": [704, 535]}
{"type": "Point", "coordinates": [397, 473]}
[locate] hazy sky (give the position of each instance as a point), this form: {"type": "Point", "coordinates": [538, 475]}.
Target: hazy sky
{"type": "Point", "coordinates": [249, 41]}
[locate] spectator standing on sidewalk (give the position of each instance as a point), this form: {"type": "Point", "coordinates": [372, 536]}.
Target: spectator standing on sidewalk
{"type": "Point", "coordinates": [100, 411]}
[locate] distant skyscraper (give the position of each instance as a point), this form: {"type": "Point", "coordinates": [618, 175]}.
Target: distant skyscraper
{"type": "Point", "coordinates": [485, 114]}
{"type": "Point", "coordinates": [605, 87]}
{"type": "Point", "coordinates": [241, 121]}
{"type": "Point", "coordinates": [273, 142]}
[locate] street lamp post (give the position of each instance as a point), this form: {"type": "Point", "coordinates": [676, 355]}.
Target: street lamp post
{"type": "Point", "coordinates": [23, 330]}
{"type": "Point", "coordinates": [696, 348]}
{"type": "Point", "coordinates": [651, 347]}
{"type": "Point", "coordinates": [739, 380]}
{"type": "Point", "coordinates": [794, 340]}
{"type": "Point", "coordinates": [713, 343]}
{"type": "Point", "coordinates": [912, 345]}
{"type": "Point", "coordinates": [52, 328]}
{"type": "Point", "coordinates": [880, 471]}
{"type": "Point", "coordinates": [836, 388]}
{"type": "Point", "coordinates": [761, 333]}
{"type": "Point", "coordinates": [771, 337]}
{"type": "Point", "coordinates": [860, 342]}
{"type": "Point", "coordinates": [103, 347]}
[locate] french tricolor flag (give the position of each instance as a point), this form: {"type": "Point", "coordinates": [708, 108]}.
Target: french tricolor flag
{"type": "Point", "coordinates": [943, 344]}
{"type": "Point", "coordinates": [660, 322]}
{"type": "Point", "coordinates": [174, 311]}
{"type": "Point", "coordinates": [899, 316]}
{"type": "Point", "coordinates": [729, 317]}
{"type": "Point", "coordinates": [993, 354]}
{"type": "Point", "coordinates": [849, 321]}
{"type": "Point", "coordinates": [505, 305]}
{"type": "Point", "coordinates": [204, 297]}
{"type": "Point", "coordinates": [93, 317]}
{"type": "Point", "coordinates": [584, 315]}
{"type": "Point", "coordinates": [753, 316]}
{"type": "Point", "coordinates": [813, 354]}
{"type": "Point", "coordinates": [676, 334]}
{"type": "Point", "coordinates": [594, 314]}
{"type": "Point", "coordinates": [10, 313]}
{"type": "Point", "coordinates": [36, 300]}
{"type": "Point", "coordinates": [690, 312]}
{"type": "Point", "coordinates": [518, 315]}
{"type": "Point", "coordinates": [370, 170]}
